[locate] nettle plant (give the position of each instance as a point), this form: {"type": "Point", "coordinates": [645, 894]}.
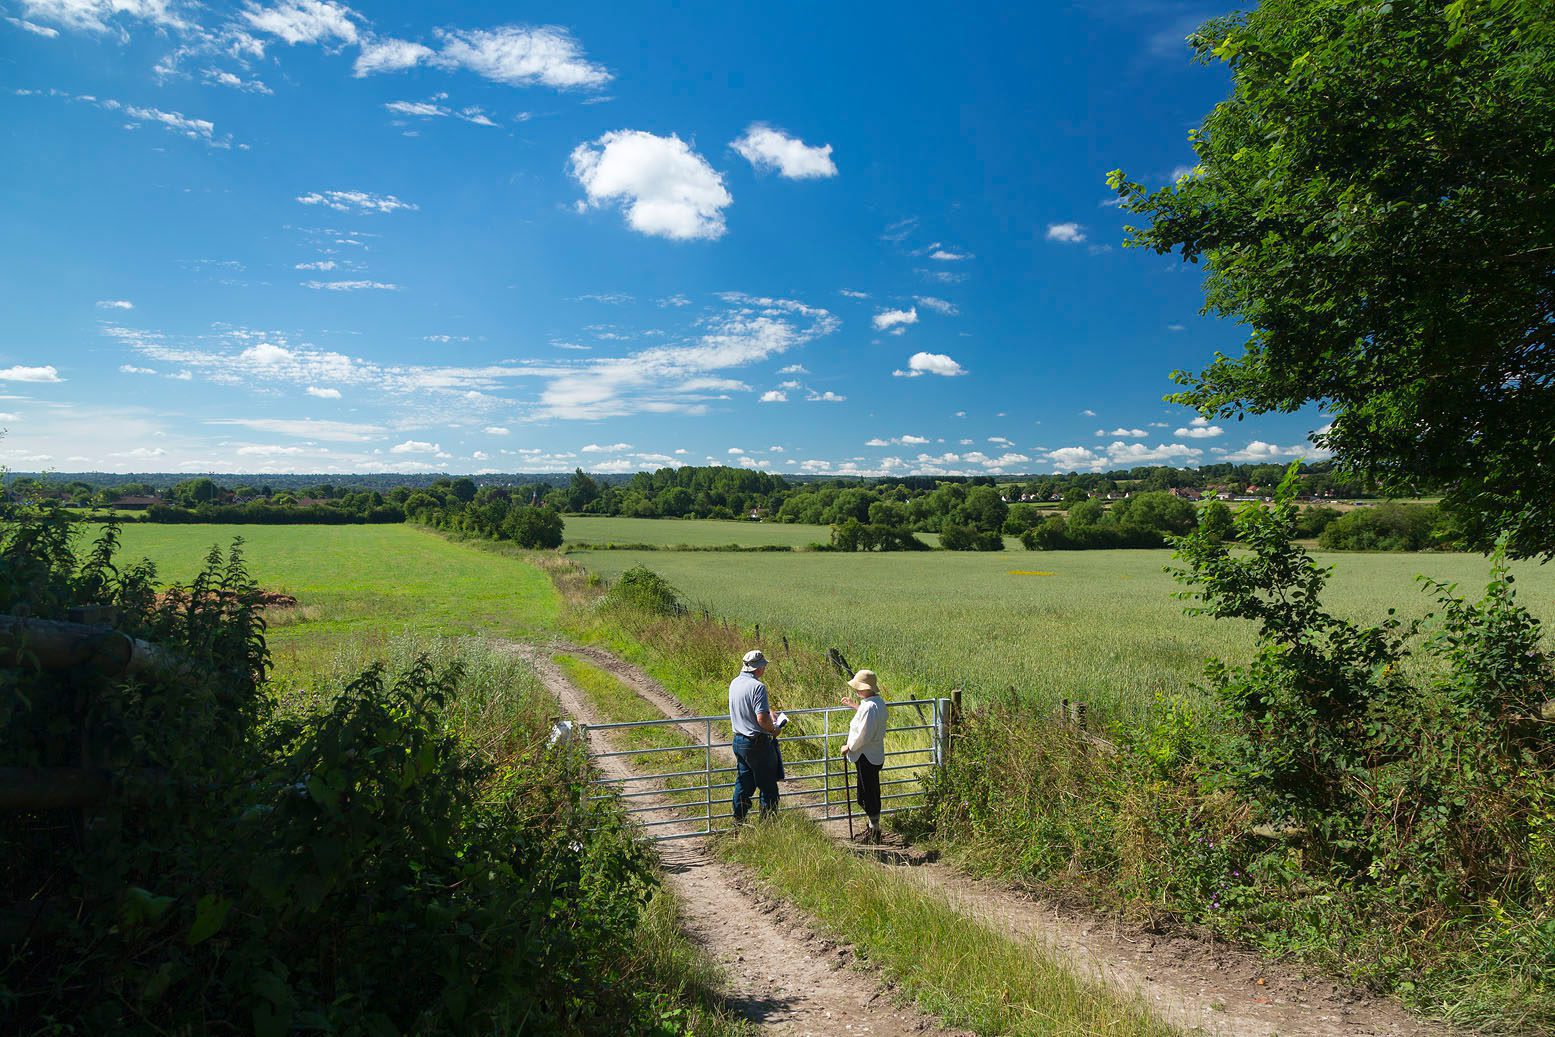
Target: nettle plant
{"type": "Point", "coordinates": [1408, 755]}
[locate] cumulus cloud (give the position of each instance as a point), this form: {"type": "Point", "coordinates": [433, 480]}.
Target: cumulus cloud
{"type": "Point", "coordinates": [46, 373]}
{"type": "Point", "coordinates": [303, 21]}
{"type": "Point", "coordinates": [825, 397]}
{"type": "Point", "coordinates": [907, 440]}
{"type": "Point", "coordinates": [1121, 455]}
{"type": "Point", "coordinates": [358, 202]}
{"type": "Point", "coordinates": [1199, 428]}
{"type": "Point", "coordinates": [767, 148]}
{"type": "Point", "coordinates": [895, 319]}
{"type": "Point", "coordinates": [611, 448]}
{"type": "Point", "coordinates": [1132, 433]}
{"type": "Point", "coordinates": [415, 446]}
{"type": "Point", "coordinates": [323, 394]}
{"type": "Point", "coordinates": [774, 396]}
{"type": "Point", "coordinates": [1068, 233]}
{"type": "Point", "coordinates": [1258, 450]}
{"type": "Point", "coordinates": [794, 369]}
{"type": "Point", "coordinates": [930, 363]}
{"type": "Point", "coordinates": [666, 189]}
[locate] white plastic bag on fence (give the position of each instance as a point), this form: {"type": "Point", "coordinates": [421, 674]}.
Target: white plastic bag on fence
{"type": "Point", "coordinates": [562, 732]}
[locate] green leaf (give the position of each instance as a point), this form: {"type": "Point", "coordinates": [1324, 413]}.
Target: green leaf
{"type": "Point", "coordinates": [210, 914]}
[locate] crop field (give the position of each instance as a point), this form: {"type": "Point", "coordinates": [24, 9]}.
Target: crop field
{"type": "Point", "coordinates": [357, 584]}
{"type": "Point", "coordinates": [1098, 626]}
{"type": "Point", "coordinates": [589, 529]}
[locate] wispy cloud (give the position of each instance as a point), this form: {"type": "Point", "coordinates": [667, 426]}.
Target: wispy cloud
{"type": "Point", "coordinates": [937, 305]}
{"type": "Point", "coordinates": [115, 304]}
{"type": "Point", "coordinates": [895, 321]}
{"type": "Point", "coordinates": [352, 286]}
{"type": "Point", "coordinates": [358, 202]}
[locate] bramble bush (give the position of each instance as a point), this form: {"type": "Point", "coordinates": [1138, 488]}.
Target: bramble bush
{"type": "Point", "coordinates": [355, 868]}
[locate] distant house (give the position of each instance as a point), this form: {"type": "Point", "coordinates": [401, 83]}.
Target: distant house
{"type": "Point", "coordinates": [1185, 492]}
{"type": "Point", "coordinates": [135, 503]}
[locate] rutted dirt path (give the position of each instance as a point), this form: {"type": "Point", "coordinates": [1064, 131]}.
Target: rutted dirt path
{"type": "Point", "coordinates": [1201, 987]}
{"type": "Point", "coordinates": [783, 975]}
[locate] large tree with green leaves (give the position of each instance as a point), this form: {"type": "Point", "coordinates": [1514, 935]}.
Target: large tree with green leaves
{"type": "Point", "coordinates": [1376, 201]}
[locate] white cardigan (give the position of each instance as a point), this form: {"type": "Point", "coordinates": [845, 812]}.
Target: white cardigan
{"type": "Point", "coordinates": [866, 734]}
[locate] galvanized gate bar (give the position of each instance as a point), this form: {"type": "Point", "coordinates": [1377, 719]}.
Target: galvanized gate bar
{"type": "Point", "coordinates": [695, 800]}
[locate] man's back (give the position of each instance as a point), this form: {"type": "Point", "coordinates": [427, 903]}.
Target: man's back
{"type": "Point", "coordinates": [747, 697]}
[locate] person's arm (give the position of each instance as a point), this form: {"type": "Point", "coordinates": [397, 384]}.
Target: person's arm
{"type": "Point", "coordinates": [764, 712]}
{"type": "Point", "coordinates": [855, 731]}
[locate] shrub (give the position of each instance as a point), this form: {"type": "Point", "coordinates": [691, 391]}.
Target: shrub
{"type": "Point", "coordinates": [359, 869]}
{"type": "Point", "coordinates": [853, 535]}
{"type": "Point", "coordinates": [955, 537]}
{"type": "Point", "coordinates": [1385, 527]}
{"type": "Point", "coordinates": [642, 588]}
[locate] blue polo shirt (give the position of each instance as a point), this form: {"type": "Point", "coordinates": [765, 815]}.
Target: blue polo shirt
{"type": "Point", "coordinates": [747, 697]}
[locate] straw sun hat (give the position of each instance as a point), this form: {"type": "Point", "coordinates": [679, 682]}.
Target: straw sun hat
{"type": "Point", "coordinates": [865, 680]}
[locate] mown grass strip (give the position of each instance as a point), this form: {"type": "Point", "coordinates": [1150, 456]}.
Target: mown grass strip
{"type": "Point", "coordinates": [950, 964]}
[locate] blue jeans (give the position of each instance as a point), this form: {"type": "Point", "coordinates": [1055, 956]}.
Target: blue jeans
{"type": "Point", "coordinates": [756, 767]}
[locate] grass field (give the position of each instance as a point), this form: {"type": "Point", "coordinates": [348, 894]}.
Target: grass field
{"type": "Point", "coordinates": [589, 529]}
{"type": "Point", "coordinates": [1100, 626]}
{"type": "Point", "coordinates": [357, 584]}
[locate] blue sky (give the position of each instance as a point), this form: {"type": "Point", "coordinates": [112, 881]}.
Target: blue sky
{"type": "Point", "coordinates": [809, 238]}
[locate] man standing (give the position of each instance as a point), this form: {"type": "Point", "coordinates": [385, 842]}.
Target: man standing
{"type": "Point", "coordinates": [865, 747]}
{"type": "Point", "coordinates": [755, 739]}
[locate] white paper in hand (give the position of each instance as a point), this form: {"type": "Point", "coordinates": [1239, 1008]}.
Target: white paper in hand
{"type": "Point", "coordinates": [780, 720]}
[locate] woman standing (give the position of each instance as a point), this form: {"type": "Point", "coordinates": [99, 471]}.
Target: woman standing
{"type": "Point", "coordinates": [865, 748]}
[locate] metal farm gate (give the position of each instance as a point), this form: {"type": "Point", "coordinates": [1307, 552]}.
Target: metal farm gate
{"type": "Point", "coordinates": [683, 768]}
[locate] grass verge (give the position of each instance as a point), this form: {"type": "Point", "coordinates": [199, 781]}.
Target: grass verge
{"type": "Point", "coordinates": [975, 977]}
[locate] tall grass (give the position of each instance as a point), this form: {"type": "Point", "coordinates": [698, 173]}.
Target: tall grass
{"type": "Point", "coordinates": [950, 964]}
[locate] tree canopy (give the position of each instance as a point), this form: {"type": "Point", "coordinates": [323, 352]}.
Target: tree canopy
{"type": "Point", "coordinates": [1376, 201]}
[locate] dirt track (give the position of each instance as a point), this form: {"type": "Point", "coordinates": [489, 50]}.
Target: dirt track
{"type": "Point", "coordinates": [788, 979]}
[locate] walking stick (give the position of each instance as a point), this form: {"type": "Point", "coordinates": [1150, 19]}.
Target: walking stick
{"type": "Point", "coordinates": [848, 791]}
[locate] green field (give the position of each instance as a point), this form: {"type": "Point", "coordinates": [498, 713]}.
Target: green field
{"type": "Point", "coordinates": [592, 529]}
{"type": "Point", "coordinates": [356, 583]}
{"type": "Point", "coordinates": [1099, 626]}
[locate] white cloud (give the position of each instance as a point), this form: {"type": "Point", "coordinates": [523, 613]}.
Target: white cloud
{"type": "Point", "coordinates": [495, 430]}
{"type": "Point", "coordinates": [907, 440]}
{"type": "Point", "coordinates": [677, 300]}
{"type": "Point", "coordinates": [1199, 428]}
{"type": "Point", "coordinates": [480, 455]}
{"type": "Point", "coordinates": [1132, 433]}
{"type": "Point", "coordinates": [307, 428]}
{"type": "Point", "coordinates": [47, 373]}
{"type": "Point", "coordinates": [266, 354]}
{"type": "Point", "coordinates": [612, 448]}
{"type": "Point", "coordinates": [223, 78]}
{"type": "Point", "coordinates": [1087, 412]}
{"type": "Point", "coordinates": [132, 369]}
{"type": "Point", "coordinates": [793, 369]}
{"type": "Point", "coordinates": [949, 257]}
{"type": "Point", "coordinates": [94, 15]}
{"type": "Point", "coordinates": [521, 56]}
{"type": "Point", "coordinates": [930, 363]}
{"type": "Point", "coordinates": [937, 305]}
{"type": "Point", "coordinates": [389, 55]}
{"type": "Point", "coordinates": [898, 319]}
{"type": "Point", "coordinates": [1000, 441]}
{"type": "Point", "coordinates": [8, 416]}
{"type": "Point", "coordinates": [667, 189]}
{"type": "Point", "coordinates": [323, 394]}
{"type": "Point", "coordinates": [415, 446]}
{"type": "Point", "coordinates": [351, 286]}
{"type": "Point", "coordinates": [430, 110]}
{"type": "Point", "coordinates": [825, 397]}
{"type": "Point", "coordinates": [115, 304]}
{"type": "Point", "coordinates": [736, 451]}
{"type": "Point", "coordinates": [1069, 233]}
{"type": "Point", "coordinates": [1121, 455]}
{"type": "Point", "coordinates": [1258, 450]}
{"type": "Point", "coordinates": [304, 21]}
{"type": "Point", "coordinates": [360, 202]}
{"type": "Point", "coordinates": [270, 450]}
{"type": "Point", "coordinates": [851, 294]}
{"type": "Point", "coordinates": [774, 396]}
{"type": "Point", "coordinates": [766, 148]}
{"type": "Point", "coordinates": [34, 28]}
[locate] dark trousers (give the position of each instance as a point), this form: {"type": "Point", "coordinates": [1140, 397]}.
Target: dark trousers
{"type": "Point", "coordinates": [756, 767]}
{"type": "Point", "coordinates": [868, 786]}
